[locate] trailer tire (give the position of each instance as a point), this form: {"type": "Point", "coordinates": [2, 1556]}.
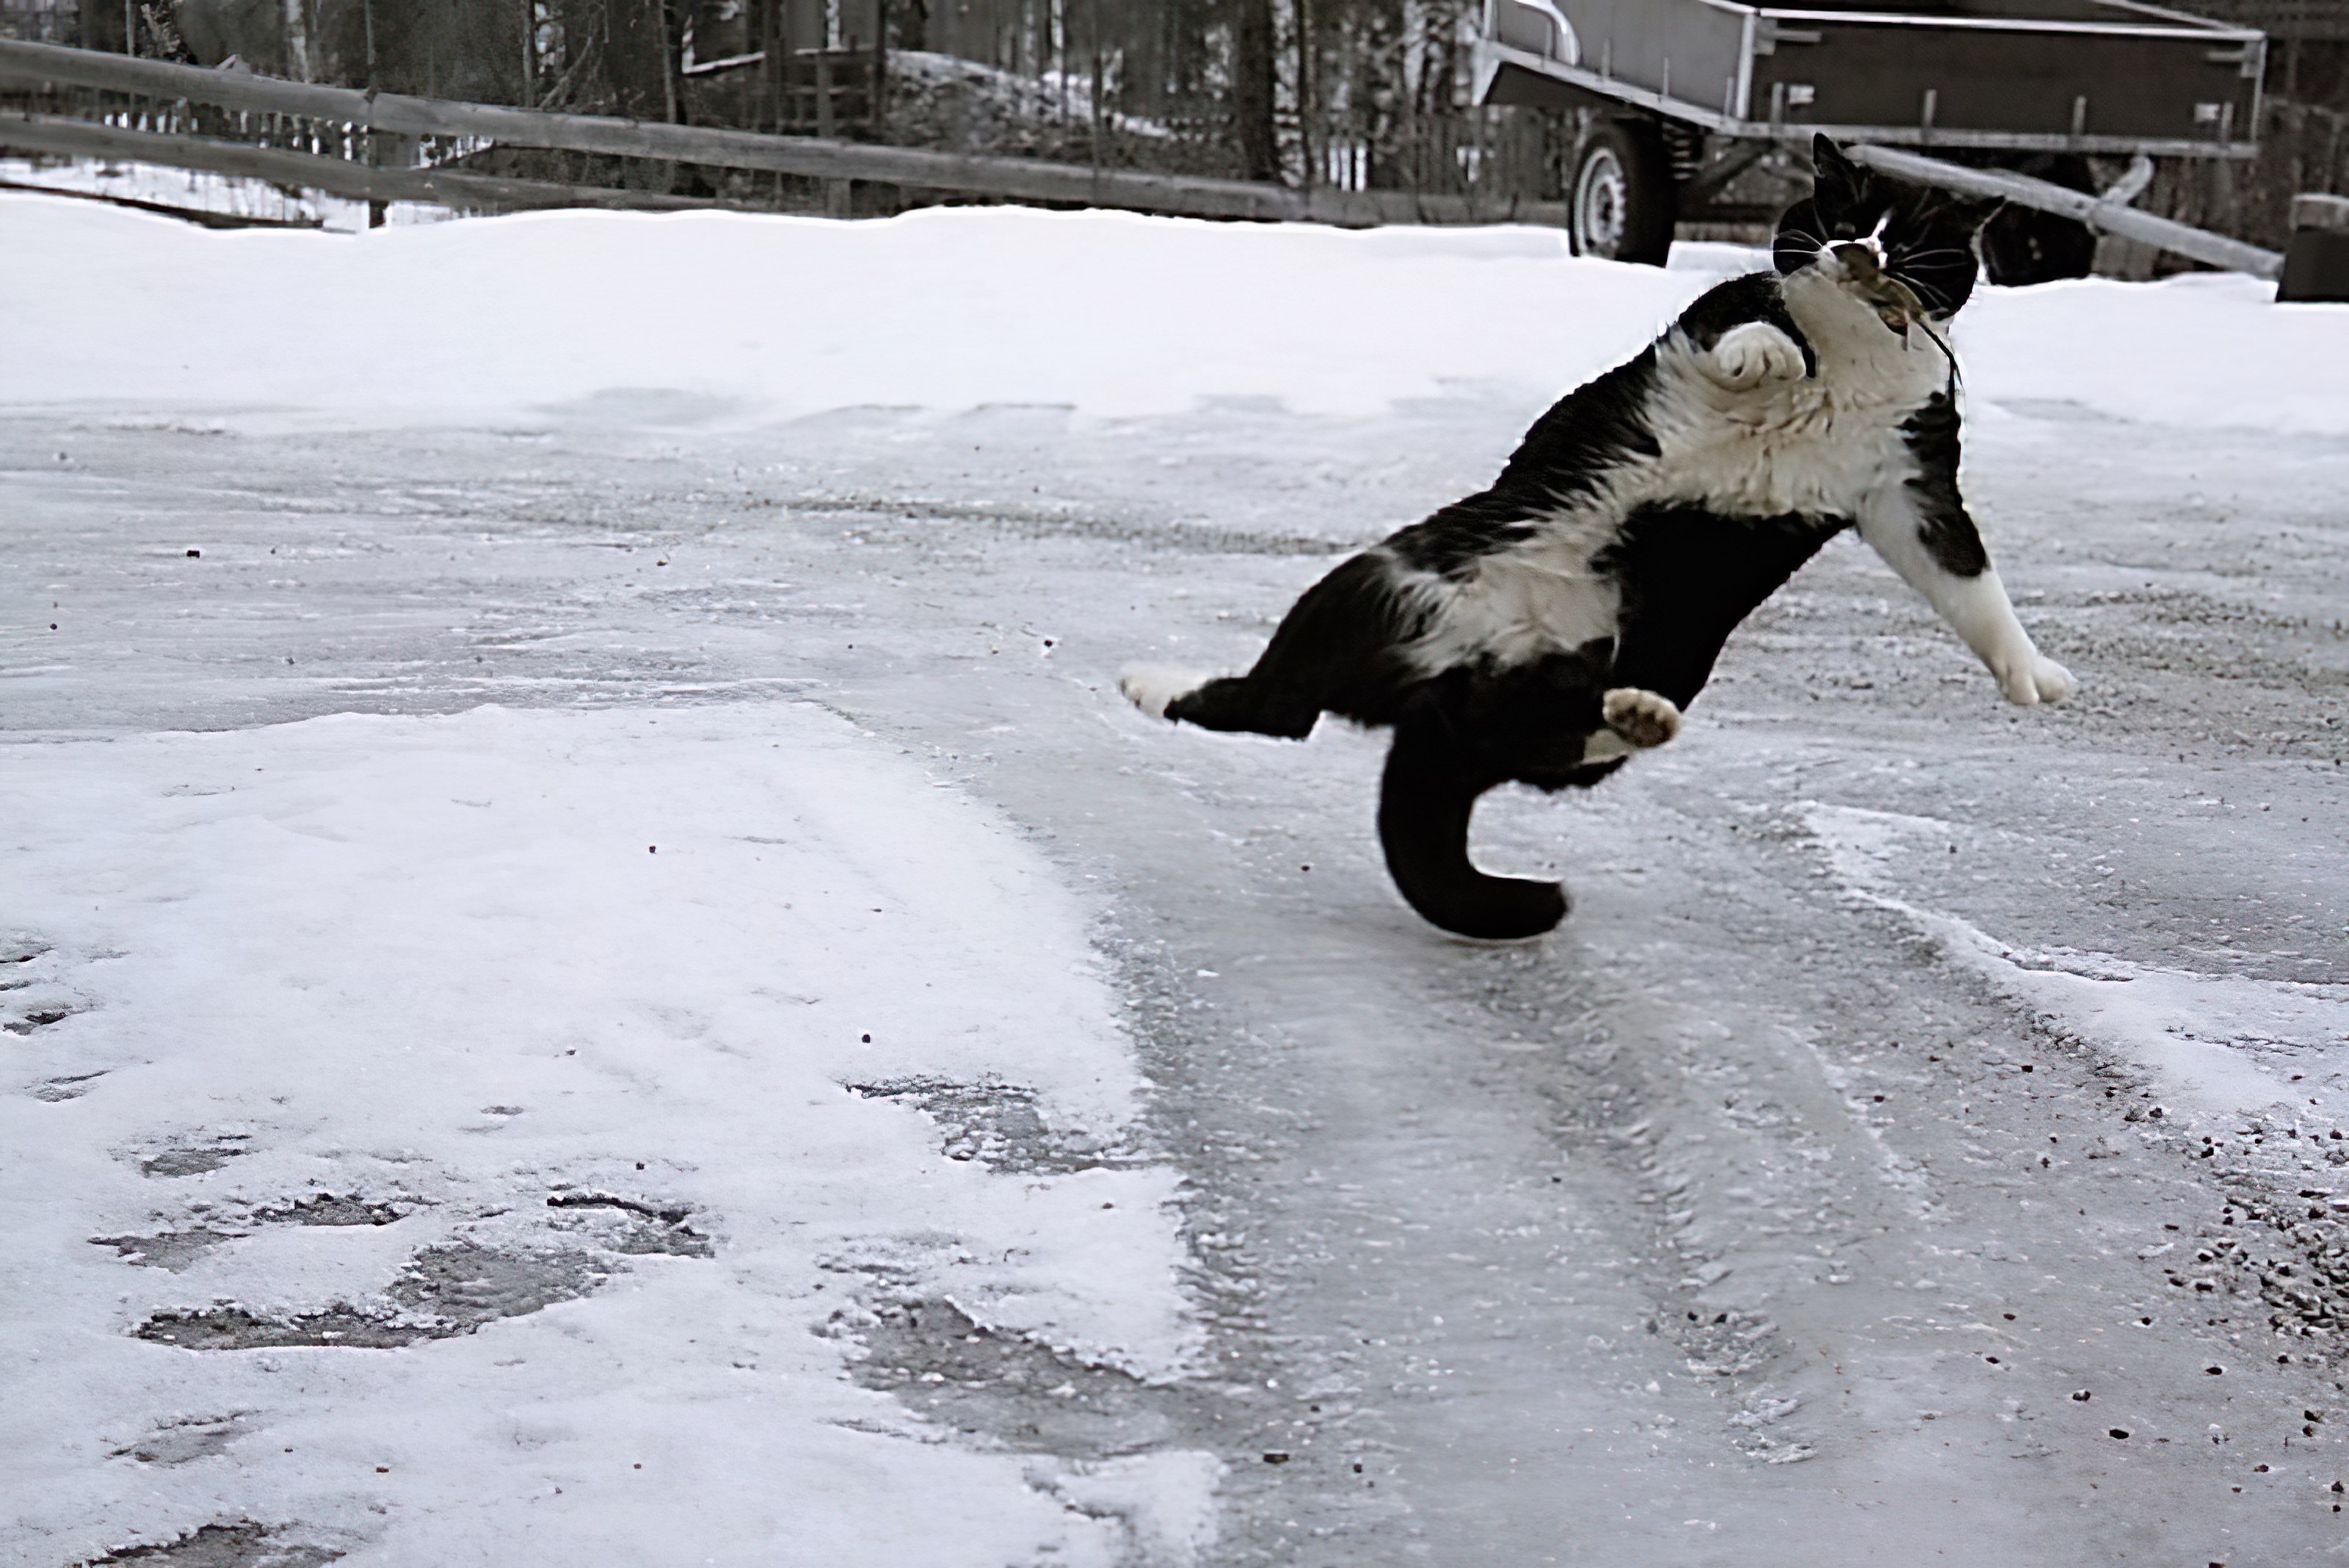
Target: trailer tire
{"type": "Point", "coordinates": [1621, 204]}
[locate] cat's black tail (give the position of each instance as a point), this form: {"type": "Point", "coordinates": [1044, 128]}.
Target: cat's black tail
{"type": "Point", "coordinates": [1425, 799]}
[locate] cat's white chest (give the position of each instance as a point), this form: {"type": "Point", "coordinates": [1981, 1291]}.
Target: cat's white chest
{"type": "Point", "coordinates": [1818, 444]}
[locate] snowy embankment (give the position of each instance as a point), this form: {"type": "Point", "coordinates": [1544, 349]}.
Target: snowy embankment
{"type": "Point", "coordinates": [574, 1065]}
{"type": "Point", "coordinates": [1110, 314]}
{"type": "Point", "coordinates": [2223, 1048]}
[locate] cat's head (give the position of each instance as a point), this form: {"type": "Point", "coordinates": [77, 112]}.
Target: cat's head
{"type": "Point", "coordinates": [1890, 243]}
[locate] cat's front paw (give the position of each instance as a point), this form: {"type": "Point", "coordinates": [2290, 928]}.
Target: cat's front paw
{"type": "Point", "coordinates": [2035, 680]}
{"type": "Point", "coordinates": [1642, 718]}
{"type": "Point", "coordinates": [1747, 356]}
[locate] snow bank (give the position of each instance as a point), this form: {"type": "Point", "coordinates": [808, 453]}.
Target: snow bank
{"type": "Point", "coordinates": [2224, 1046]}
{"type": "Point", "coordinates": [1107, 313]}
{"type": "Point", "coordinates": [2202, 349]}
{"type": "Point", "coordinates": [1111, 313]}
{"type": "Point", "coordinates": [765, 317]}
{"type": "Point", "coordinates": [466, 966]}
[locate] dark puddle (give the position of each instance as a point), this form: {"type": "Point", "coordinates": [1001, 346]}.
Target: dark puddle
{"type": "Point", "coordinates": [194, 1159]}
{"type": "Point", "coordinates": [996, 1124]}
{"type": "Point", "coordinates": [40, 1017]}
{"type": "Point", "coordinates": [234, 1328]}
{"type": "Point", "coordinates": [646, 1229]}
{"type": "Point", "coordinates": [184, 1442]}
{"type": "Point", "coordinates": [331, 1209]}
{"type": "Point", "coordinates": [241, 1545]}
{"type": "Point", "coordinates": [939, 1362]}
{"type": "Point", "coordinates": [445, 1291]}
{"type": "Point", "coordinates": [176, 1249]}
{"type": "Point", "coordinates": [72, 1086]}
{"type": "Point", "coordinates": [465, 1285]}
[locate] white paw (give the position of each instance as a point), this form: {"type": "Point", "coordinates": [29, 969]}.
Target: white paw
{"type": "Point", "coordinates": [1642, 718]}
{"type": "Point", "coordinates": [2035, 680]}
{"type": "Point", "coordinates": [1150, 687]}
{"type": "Point", "coordinates": [1747, 356]}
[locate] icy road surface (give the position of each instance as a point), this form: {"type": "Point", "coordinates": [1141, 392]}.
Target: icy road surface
{"type": "Point", "coordinates": [1921, 1145]}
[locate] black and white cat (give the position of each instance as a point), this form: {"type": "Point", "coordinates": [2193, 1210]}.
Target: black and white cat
{"type": "Point", "coordinates": [1544, 629]}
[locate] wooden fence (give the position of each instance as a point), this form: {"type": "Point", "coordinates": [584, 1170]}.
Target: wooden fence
{"type": "Point", "coordinates": [339, 136]}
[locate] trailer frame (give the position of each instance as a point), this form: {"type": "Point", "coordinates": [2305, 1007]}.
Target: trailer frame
{"type": "Point", "coordinates": [2200, 72]}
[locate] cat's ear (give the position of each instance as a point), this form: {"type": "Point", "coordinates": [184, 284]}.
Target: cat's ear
{"type": "Point", "coordinates": [1840, 182]}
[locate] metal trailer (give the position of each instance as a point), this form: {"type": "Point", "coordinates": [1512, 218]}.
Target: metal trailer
{"type": "Point", "coordinates": [1679, 99]}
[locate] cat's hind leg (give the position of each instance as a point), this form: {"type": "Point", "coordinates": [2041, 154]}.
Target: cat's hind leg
{"type": "Point", "coordinates": [1425, 799]}
{"type": "Point", "coordinates": [1152, 687]}
{"type": "Point", "coordinates": [1245, 703]}
{"type": "Point", "coordinates": [1250, 703]}
{"type": "Point", "coordinates": [1337, 651]}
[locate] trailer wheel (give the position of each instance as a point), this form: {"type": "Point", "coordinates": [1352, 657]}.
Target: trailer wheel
{"type": "Point", "coordinates": [2023, 245]}
{"type": "Point", "coordinates": [1621, 204]}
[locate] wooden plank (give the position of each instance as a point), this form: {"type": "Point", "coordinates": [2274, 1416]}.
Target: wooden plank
{"type": "Point", "coordinates": [2108, 217]}
{"type": "Point", "coordinates": [809, 157]}
{"type": "Point", "coordinates": [200, 217]}
{"type": "Point", "coordinates": [437, 187]}
{"type": "Point", "coordinates": [1015, 179]}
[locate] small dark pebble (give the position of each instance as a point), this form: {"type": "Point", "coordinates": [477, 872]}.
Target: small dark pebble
{"type": "Point", "coordinates": [1992, 1360]}
{"type": "Point", "coordinates": [2215, 1370]}
{"type": "Point", "coordinates": [868, 1039]}
{"type": "Point", "coordinates": [195, 555]}
{"type": "Point", "coordinates": [1275, 1457]}
{"type": "Point", "coordinates": [2083, 1396]}
{"type": "Point", "coordinates": [2119, 1431]}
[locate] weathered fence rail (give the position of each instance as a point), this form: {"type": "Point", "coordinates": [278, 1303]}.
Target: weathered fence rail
{"type": "Point", "coordinates": [35, 66]}
{"type": "Point", "coordinates": [335, 176]}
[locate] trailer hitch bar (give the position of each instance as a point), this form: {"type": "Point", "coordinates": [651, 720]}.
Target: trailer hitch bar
{"type": "Point", "coordinates": [2104, 214]}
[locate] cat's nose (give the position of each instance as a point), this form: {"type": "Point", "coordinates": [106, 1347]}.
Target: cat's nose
{"type": "Point", "coordinates": [1859, 260]}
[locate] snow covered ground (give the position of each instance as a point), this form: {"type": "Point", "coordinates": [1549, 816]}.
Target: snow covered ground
{"type": "Point", "coordinates": [748, 320]}
{"type": "Point", "coordinates": [487, 742]}
{"type": "Point", "coordinates": [630, 1028]}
